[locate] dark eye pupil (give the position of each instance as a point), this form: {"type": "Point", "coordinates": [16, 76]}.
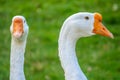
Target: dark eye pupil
{"type": "Point", "coordinates": [86, 17]}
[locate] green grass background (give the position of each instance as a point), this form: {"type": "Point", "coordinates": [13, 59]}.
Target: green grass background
{"type": "Point", "coordinates": [98, 56]}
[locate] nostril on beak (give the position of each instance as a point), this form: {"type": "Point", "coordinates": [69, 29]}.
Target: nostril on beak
{"type": "Point", "coordinates": [103, 28]}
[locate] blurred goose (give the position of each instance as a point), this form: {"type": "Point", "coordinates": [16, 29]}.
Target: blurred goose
{"type": "Point", "coordinates": [19, 32]}
{"type": "Point", "coordinates": [78, 25]}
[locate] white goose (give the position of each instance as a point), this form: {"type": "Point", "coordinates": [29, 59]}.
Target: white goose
{"type": "Point", "coordinates": [79, 25]}
{"type": "Point", "coordinates": [19, 32]}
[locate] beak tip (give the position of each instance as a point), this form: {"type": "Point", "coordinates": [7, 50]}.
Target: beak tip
{"type": "Point", "coordinates": [111, 36]}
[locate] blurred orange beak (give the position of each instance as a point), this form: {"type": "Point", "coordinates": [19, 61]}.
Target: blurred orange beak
{"type": "Point", "coordinates": [18, 27]}
{"type": "Point", "coordinates": [99, 28]}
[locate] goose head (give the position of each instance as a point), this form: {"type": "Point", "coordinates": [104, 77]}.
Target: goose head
{"type": "Point", "coordinates": [85, 24]}
{"type": "Point", "coordinates": [19, 27]}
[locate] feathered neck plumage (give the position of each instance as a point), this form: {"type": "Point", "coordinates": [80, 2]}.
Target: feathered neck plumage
{"type": "Point", "coordinates": [17, 59]}
{"type": "Point", "coordinates": [67, 43]}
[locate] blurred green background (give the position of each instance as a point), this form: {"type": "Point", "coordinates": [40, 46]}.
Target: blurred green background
{"type": "Point", "coordinates": [98, 56]}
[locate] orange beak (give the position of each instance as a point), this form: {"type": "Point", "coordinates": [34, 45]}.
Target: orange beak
{"type": "Point", "coordinates": [18, 27]}
{"type": "Point", "coordinates": [99, 28]}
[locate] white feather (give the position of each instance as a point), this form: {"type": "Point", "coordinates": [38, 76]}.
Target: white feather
{"type": "Point", "coordinates": [17, 52]}
{"type": "Point", "coordinates": [73, 28]}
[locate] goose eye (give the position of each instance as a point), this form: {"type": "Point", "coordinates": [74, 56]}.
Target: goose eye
{"type": "Point", "coordinates": [87, 18]}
